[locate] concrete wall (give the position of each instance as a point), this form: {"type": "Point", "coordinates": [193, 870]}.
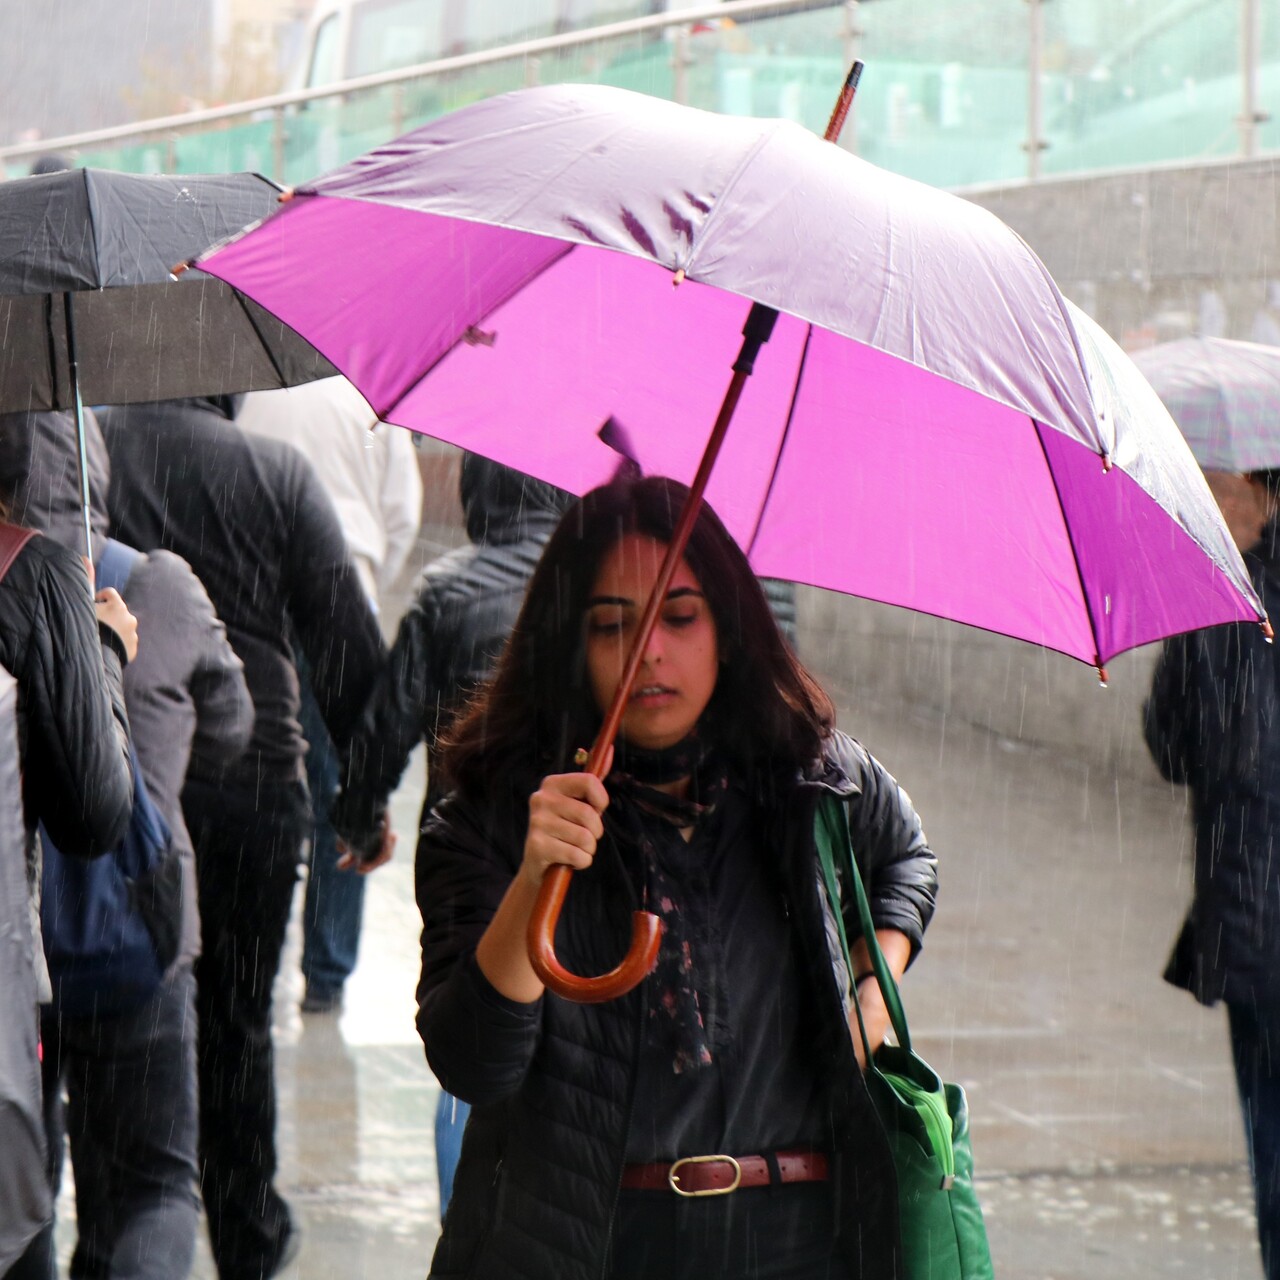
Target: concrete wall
{"type": "Point", "coordinates": [877, 656]}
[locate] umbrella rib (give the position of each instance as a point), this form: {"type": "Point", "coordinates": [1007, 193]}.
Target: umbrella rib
{"type": "Point", "coordinates": [385, 414]}
{"type": "Point", "coordinates": [1071, 542]}
{"type": "Point", "coordinates": [262, 337]}
{"type": "Point", "coordinates": [782, 444]}
{"type": "Point", "coordinates": [89, 204]}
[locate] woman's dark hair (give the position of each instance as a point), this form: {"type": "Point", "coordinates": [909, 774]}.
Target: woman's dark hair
{"type": "Point", "coordinates": [538, 708]}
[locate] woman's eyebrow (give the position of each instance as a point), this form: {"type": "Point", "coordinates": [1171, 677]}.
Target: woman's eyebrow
{"type": "Point", "coordinates": [626, 602]}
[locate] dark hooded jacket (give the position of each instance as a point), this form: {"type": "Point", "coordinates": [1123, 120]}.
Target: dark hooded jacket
{"type": "Point", "coordinates": [552, 1082]}
{"type": "Point", "coordinates": [251, 518]}
{"type": "Point", "coordinates": [186, 685]}
{"type": "Point", "coordinates": [1213, 723]}
{"type": "Point", "coordinates": [450, 638]}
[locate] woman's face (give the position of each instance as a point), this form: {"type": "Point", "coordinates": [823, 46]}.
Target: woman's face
{"type": "Point", "coordinates": [678, 672]}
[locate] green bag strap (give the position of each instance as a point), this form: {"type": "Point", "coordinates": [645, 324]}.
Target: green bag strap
{"type": "Point", "coordinates": [831, 829]}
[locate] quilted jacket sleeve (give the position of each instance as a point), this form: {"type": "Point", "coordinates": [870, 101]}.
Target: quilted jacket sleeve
{"type": "Point", "coordinates": [897, 865]}
{"type": "Point", "coordinates": [479, 1043]}
{"type": "Point", "coordinates": [77, 777]}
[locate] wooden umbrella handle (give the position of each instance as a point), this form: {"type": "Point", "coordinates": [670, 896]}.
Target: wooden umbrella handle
{"type": "Point", "coordinates": [646, 934]}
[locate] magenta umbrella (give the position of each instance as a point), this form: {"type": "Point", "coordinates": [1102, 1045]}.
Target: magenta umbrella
{"type": "Point", "coordinates": [931, 423]}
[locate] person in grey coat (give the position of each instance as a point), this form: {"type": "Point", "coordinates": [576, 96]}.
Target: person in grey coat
{"type": "Point", "coordinates": [130, 1078]}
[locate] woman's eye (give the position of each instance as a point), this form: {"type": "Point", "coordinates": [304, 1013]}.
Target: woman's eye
{"type": "Point", "coordinates": [679, 620]}
{"type": "Point", "coordinates": [605, 626]}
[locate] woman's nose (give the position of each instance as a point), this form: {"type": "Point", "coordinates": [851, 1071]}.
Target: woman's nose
{"type": "Point", "coordinates": [653, 646]}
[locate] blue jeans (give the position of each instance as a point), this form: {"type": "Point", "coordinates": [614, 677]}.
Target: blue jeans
{"type": "Point", "coordinates": [334, 904]}
{"type": "Point", "coordinates": [451, 1120]}
{"type": "Point", "coordinates": [131, 1118]}
{"type": "Point", "coordinates": [1255, 1046]}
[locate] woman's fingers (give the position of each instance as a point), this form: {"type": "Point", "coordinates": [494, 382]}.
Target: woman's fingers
{"type": "Point", "coordinates": [577, 786]}
{"type": "Point", "coordinates": [555, 805]}
{"type": "Point", "coordinates": [564, 823]}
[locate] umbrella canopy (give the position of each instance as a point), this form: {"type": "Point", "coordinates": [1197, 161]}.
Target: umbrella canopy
{"type": "Point", "coordinates": [931, 424]}
{"type": "Point", "coordinates": [1225, 397]}
{"type": "Point", "coordinates": [108, 241]}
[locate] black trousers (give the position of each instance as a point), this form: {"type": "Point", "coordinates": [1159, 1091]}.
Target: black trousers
{"type": "Point", "coordinates": [248, 850]}
{"type": "Point", "coordinates": [759, 1233]}
{"type": "Point", "coordinates": [1255, 1047]}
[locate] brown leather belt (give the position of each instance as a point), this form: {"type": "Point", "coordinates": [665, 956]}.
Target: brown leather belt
{"type": "Point", "coordinates": [719, 1175]}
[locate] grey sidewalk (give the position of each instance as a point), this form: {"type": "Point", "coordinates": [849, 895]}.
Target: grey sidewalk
{"type": "Point", "coordinates": [1103, 1109]}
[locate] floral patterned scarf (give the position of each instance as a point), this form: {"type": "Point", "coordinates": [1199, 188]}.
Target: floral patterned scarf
{"type": "Point", "coordinates": [675, 1015]}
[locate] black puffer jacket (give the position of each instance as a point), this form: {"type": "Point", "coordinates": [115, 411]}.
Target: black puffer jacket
{"type": "Point", "coordinates": [451, 637]}
{"type": "Point", "coordinates": [551, 1083]}
{"type": "Point", "coordinates": [71, 718]}
{"type": "Point", "coordinates": [1213, 723]}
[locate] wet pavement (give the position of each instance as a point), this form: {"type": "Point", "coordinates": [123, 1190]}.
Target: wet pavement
{"type": "Point", "coordinates": [1102, 1101]}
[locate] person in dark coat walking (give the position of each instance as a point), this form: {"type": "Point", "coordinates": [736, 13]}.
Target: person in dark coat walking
{"type": "Point", "coordinates": [738, 1044]}
{"type": "Point", "coordinates": [252, 520]}
{"type": "Point", "coordinates": [1212, 723]}
{"type": "Point", "coordinates": [131, 1077]}
{"type": "Point", "coordinates": [65, 762]}
{"type": "Point", "coordinates": [446, 646]}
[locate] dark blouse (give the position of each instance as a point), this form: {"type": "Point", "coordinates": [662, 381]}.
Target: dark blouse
{"type": "Point", "coordinates": [761, 1091]}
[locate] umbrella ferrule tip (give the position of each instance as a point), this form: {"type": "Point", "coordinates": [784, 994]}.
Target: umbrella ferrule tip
{"type": "Point", "coordinates": [1107, 464]}
{"type": "Point", "coordinates": [1268, 633]}
{"type": "Point", "coordinates": [678, 279]}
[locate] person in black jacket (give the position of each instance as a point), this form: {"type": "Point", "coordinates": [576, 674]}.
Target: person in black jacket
{"type": "Point", "coordinates": [130, 1075]}
{"type": "Point", "coordinates": [1212, 723]}
{"type": "Point", "coordinates": [63, 689]}
{"type": "Point", "coordinates": [252, 520]}
{"type": "Point", "coordinates": [738, 1044]}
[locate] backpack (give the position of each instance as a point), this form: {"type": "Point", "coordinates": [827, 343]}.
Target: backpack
{"type": "Point", "coordinates": [111, 924]}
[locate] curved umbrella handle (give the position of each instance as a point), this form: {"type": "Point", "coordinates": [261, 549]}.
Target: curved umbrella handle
{"type": "Point", "coordinates": [646, 934]}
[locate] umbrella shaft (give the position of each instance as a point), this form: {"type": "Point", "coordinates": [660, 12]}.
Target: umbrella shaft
{"type": "Point", "coordinates": [81, 443]}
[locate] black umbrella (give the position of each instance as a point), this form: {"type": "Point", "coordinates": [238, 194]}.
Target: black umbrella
{"type": "Point", "coordinates": [89, 310]}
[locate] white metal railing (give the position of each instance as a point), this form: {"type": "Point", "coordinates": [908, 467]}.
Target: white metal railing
{"type": "Point", "coordinates": [278, 104]}
{"type": "Point", "coordinates": [277, 107]}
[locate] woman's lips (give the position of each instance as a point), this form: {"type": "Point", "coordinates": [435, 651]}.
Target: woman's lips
{"type": "Point", "coordinates": [650, 694]}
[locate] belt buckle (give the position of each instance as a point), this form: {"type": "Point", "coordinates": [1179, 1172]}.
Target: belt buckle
{"type": "Point", "coordinates": [673, 1177]}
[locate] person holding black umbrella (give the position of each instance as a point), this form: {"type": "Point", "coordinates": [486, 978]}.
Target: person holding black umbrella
{"type": "Point", "coordinates": [129, 1067]}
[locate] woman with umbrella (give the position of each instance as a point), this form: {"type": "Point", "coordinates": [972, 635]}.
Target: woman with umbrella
{"type": "Point", "coordinates": [712, 1121]}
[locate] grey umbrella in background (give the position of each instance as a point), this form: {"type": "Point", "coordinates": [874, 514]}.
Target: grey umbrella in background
{"type": "Point", "coordinates": [89, 312]}
{"type": "Point", "coordinates": [1225, 397]}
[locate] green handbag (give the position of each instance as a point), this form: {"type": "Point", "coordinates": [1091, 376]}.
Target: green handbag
{"type": "Point", "coordinates": [926, 1121]}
